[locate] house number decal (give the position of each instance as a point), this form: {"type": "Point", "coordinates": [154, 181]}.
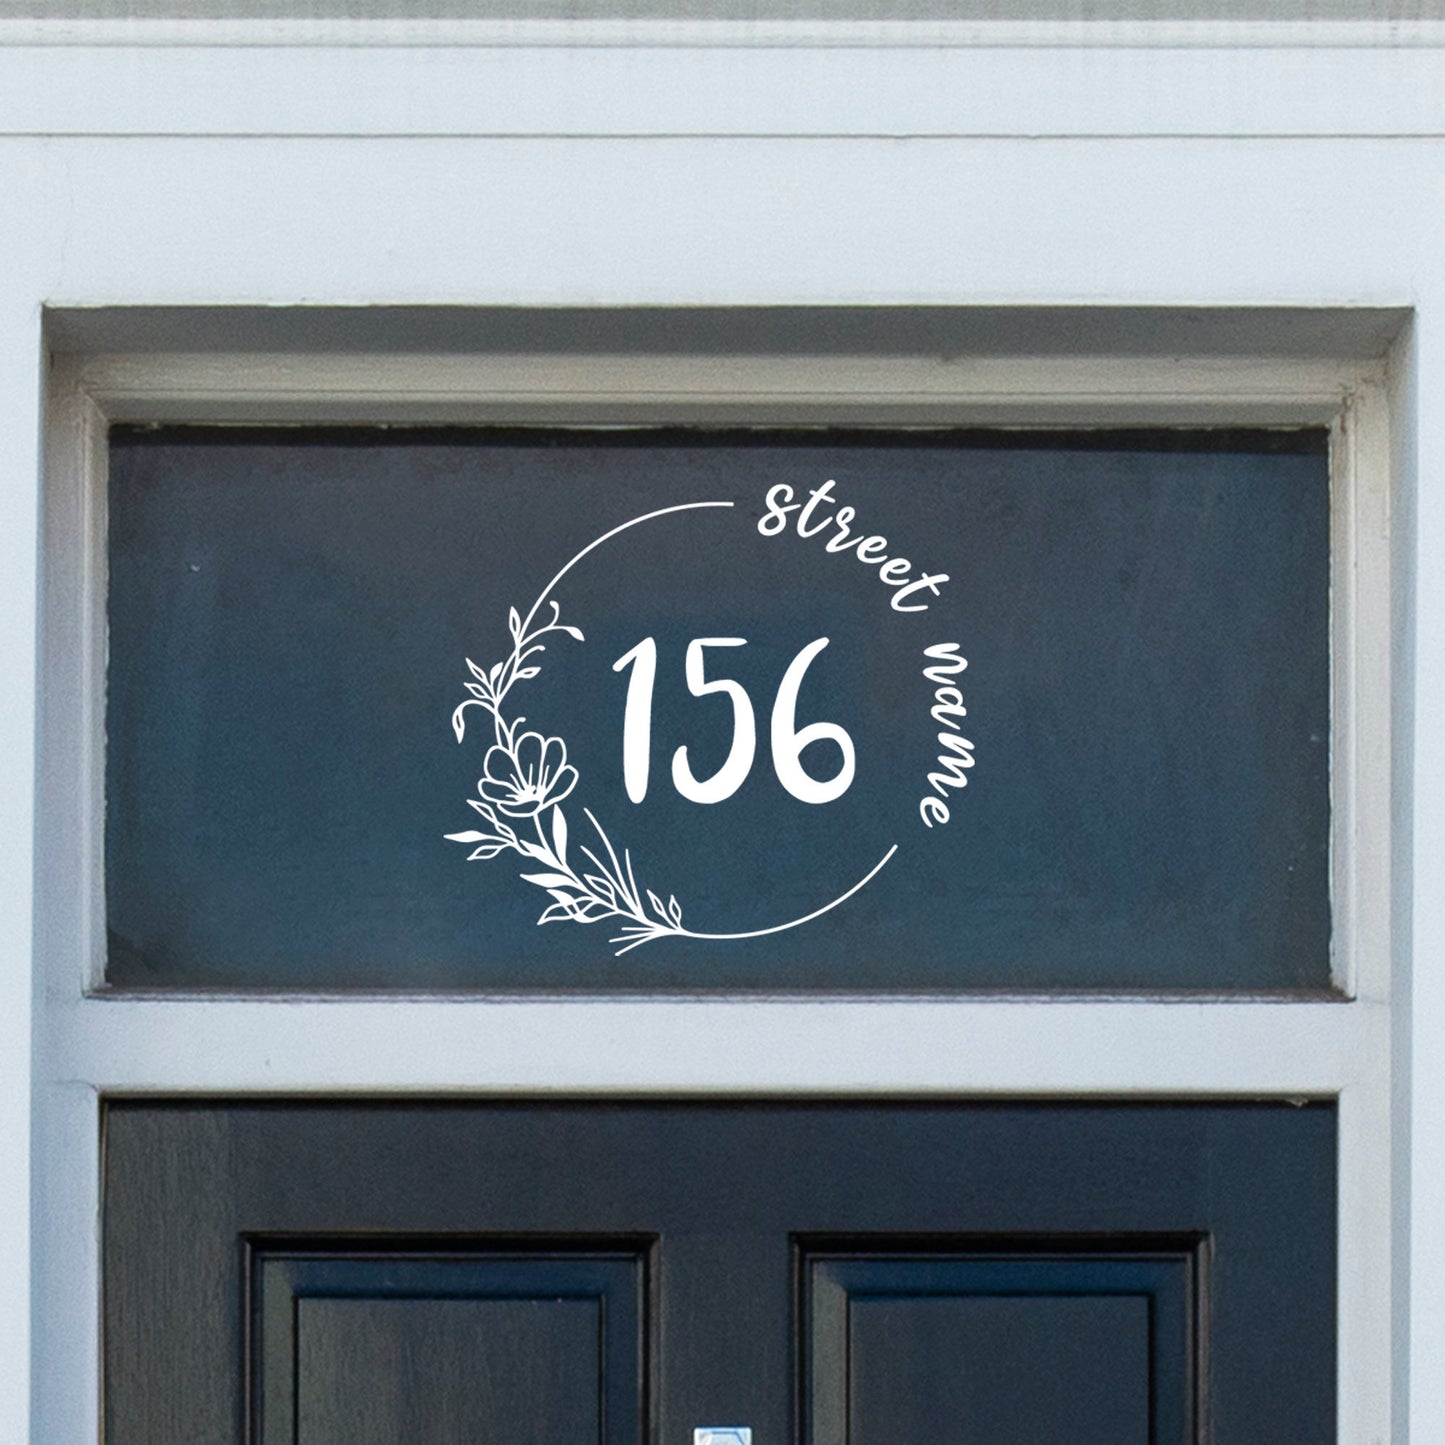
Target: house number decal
{"type": "Point", "coordinates": [528, 795]}
{"type": "Point", "coordinates": [788, 741]}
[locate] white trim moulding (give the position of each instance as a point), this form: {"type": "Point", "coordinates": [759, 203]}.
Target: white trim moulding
{"type": "Point", "coordinates": [343, 31]}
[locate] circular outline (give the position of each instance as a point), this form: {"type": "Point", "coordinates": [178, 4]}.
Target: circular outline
{"type": "Point", "coordinates": [614, 883]}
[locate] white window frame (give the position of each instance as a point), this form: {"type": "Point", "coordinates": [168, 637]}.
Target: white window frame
{"type": "Point", "coordinates": [99, 1044]}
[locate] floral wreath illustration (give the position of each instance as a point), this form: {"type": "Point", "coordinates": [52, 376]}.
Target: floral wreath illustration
{"type": "Point", "coordinates": [526, 777]}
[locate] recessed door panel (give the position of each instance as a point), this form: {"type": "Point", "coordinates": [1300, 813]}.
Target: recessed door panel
{"type": "Point", "coordinates": [358, 1347]}
{"type": "Point", "coordinates": [999, 1346]}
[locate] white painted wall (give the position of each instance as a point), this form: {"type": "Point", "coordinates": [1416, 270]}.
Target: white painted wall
{"type": "Point", "coordinates": [1059, 174]}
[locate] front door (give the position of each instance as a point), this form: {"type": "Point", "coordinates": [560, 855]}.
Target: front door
{"type": "Point", "coordinates": [719, 1273]}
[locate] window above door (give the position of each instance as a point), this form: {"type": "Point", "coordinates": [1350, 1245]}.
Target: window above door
{"type": "Point", "coordinates": [1080, 744]}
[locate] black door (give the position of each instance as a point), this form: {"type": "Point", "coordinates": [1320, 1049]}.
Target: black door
{"type": "Point", "coordinates": [627, 1272]}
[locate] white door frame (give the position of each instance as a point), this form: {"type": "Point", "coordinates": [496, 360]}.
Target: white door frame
{"type": "Point", "coordinates": [973, 1048]}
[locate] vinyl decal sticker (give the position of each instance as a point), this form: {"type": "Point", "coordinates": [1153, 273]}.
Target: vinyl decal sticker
{"type": "Point", "coordinates": [527, 777]}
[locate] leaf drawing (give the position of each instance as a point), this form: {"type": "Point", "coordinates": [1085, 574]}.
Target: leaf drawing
{"type": "Point", "coordinates": [525, 778]}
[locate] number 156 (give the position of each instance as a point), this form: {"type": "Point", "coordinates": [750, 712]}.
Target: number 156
{"type": "Point", "coordinates": [788, 740]}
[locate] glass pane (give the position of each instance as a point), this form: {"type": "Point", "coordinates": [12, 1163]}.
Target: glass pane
{"type": "Point", "coordinates": [1127, 788]}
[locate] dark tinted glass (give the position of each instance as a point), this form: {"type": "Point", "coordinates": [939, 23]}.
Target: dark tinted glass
{"type": "Point", "coordinates": [1127, 788]}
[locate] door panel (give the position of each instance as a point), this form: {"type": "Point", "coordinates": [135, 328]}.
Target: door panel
{"type": "Point", "coordinates": [368, 1348]}
{"type": "Point", "coordinates": [1094, 1348]}
{"type": "Point", "coordinates": [888, 1274]}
